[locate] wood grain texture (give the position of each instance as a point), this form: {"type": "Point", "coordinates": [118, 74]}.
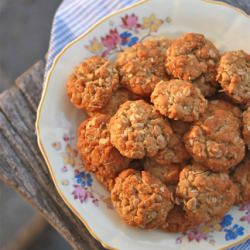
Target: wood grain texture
{"type": "Point", "coordinates": [241, 4]}
{"type": "Point", "coordinates": [21, 164]}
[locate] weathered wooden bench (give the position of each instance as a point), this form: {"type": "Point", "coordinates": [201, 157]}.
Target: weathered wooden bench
{"type": "Point", "coordinates": [21, 164]}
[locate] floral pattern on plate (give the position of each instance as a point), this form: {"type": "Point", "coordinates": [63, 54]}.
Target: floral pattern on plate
{"type": "Point", "coordinates": [82, 181]}
{"type": "Point", "coordinates": [230, 230]}
{"type": "Point", "coordinates": [126, 34]}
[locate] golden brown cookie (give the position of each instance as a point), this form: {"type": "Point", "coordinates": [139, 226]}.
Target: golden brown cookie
{"type": "Point", "coordinates": [234, 75]}
{"type": "Point", "coordinates": [118, 97]}
{"type": "Point", "coordinates": [206, 87]}
{"type": "Point", "coordinates": [161, 43]}
{"type": "Point", "coordinates": [215, 141]}
{"type": "Point", "coordinates": [168, 173]}
{"type": "Point", "coordinates": [98, 154]}
{"type": "Point", "coordinates": [194, 58]}
{"type": "Point", "coordinates": [142, 66]}
{"type": "Point", "coordinates": [241, 177]}
{"type": "Point", "coordinates": [175, 152]}
{"type": "Point", "coordinates": [206, 196]}
{"type": "Point", "coordinates": [224, 105]}
{"type": "Point", "coordinates": [179, 100]}
{"type": "Point", "coordinates": [138, 130]}
{"type": "Point", "coordinates": [246, 127]}
{"type": "Point", "coordinates": [177, 221]}
{"type": "Point", "coordinates": [141, 199]}
{"type": "Point", "coordinates": [91, 85]}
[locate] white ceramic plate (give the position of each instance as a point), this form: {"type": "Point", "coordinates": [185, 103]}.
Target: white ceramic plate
{"type": "Point", "coordinates": [58, 120]}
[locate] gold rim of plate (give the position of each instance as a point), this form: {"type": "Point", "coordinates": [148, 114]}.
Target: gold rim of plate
{"type": "Point", "coordinates": [40, 145]}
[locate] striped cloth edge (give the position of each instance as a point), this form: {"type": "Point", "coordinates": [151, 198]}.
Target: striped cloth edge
{"type": "Point", "coordinates": [74, 17]}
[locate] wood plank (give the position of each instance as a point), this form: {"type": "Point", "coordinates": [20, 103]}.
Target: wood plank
{"type": "Point", "coordinates": [241, 4]}
{"type": "Point", "coordinates": [21, 164]}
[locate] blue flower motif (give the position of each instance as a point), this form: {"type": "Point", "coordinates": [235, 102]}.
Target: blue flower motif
{"type": "Point", "coordinates": [234, 232]}
{"type": "Point", "coordinates": [226, 221]}
{"type": "Point", "coordinates": [127, 39]}
{"type": "Point", "coordinates": [84, 179]}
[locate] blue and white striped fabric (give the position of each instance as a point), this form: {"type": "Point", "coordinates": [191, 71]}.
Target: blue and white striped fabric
{"type": "Point", "coordinates": [73, 18]}
{"type": "Point", "coordinates": [242, 246]}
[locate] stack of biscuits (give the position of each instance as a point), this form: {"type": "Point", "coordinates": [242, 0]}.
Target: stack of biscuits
{"type": "Point", "coordinates": [168, 130]}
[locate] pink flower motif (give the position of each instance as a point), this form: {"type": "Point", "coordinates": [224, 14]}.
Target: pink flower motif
{"type": "Point", "coordinates": [95, 202]}
{"type": "Point", "coordinates": [80, 193]}
{"type": "Point", "coordinates": [244, 207]}
{"type": "Point", "coordinates": [178, 240]}
{"type": "Point", "coordinates": [64, 169]}
{"type": "Point", "coordinates": [246, 218]}
{"type": "Point", "coordinates": [83, 194]}
{"type": "Point", "coordinates": [66, 137]}
{"type": "Point", "coordinates": [195, 234]}
{"type": "Point", "coordinates": [110, 41]}
{"type": "Point", "coordinates": [130, 22]}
